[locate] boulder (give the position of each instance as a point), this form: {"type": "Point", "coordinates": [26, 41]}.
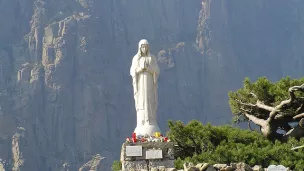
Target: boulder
{"type": "Point", "coordinates": [202, 166]}
{"type": "Point", "coordinates": [154, 169]}
{"type": "Point", "coordinates": [229, 168]}
{"type": "Point", "coordinates": [258, 168]}
{"type": "Point", "coordinates": [220, 166]}
{"type": "Point", "coordinates": [171, 169]}
{"type": "Point", "coordinates": [233, 165]}
{"type": "Point", "coordinates": [162, 168]}
{"type": "Point", "coordinates": [210, 168]}
{"type": "Point", "coordinates": [243, 167]}
{"type": "Point", "coordinates": [189, 167]}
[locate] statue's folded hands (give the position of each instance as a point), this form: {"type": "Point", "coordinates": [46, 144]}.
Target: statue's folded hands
{"type": "Point", "coordinates": [150, 70]}
{"type": "Point", "coordinates": [139, 70]}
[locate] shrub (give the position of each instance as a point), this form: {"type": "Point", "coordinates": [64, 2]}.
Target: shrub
{"type": "Point", "coordinates": [200, 143]}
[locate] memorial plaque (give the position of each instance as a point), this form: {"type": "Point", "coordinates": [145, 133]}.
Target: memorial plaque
{"type": "Point", "coordinates": [134, 150]}
{"type": "Point", "coordinates": [154, 154]}
{"type": "Point", "coordinates": [276, 168]}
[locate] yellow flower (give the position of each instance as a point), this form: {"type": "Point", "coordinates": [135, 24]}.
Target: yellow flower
{"type": "Point", "coordinates": [157, 134]}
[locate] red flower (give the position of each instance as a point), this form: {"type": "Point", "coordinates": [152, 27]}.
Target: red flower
{"type": "Point", "coordinates": [134, 137]}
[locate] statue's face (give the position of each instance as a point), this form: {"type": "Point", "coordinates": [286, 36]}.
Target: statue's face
{"type": "Point", "coordinates": [144, 48]}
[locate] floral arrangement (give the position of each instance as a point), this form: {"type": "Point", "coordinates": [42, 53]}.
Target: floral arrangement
{"type": "Point", "coordinates": [157, 137]}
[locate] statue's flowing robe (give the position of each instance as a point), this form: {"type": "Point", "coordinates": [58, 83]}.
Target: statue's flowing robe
{"type": "Point", "coordinates": [145, 89]}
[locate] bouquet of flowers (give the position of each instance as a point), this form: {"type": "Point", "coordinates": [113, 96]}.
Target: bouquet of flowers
{"type": "Point", "coordinates": [157, 137]}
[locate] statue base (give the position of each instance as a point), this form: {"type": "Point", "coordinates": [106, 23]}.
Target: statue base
{"type": "Point", "coordinates": [146, 129]}
{"type": "Point", "coordinates": [147, 156]}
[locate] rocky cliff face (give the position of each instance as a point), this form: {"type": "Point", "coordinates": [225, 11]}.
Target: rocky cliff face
{"type": "Point", "coordinates": [64, 68]}
{"type": "Point", "coordinates": [248, 38]}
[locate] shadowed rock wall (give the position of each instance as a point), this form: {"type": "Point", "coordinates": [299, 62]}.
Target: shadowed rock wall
{"type": "Point", "coordinates": [64, 68]}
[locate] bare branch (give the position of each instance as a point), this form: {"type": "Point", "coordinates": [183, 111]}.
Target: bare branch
{"type": "Point", "coordinates": [277, 109]}
{"type": "Point", "coordinates": [296, 132]}
{"type": "Point", "coordinates": [284, 117]}
{"type": "Point", "coordinates": [280, 116]}
{"type": "Point", "coordinates": [256, 120]}
{"type": "Point", "coordinates": [289, 101]}
{"type": "Point", "coordinates": [245, 110]}
{"type": "Point", "coordinates": [258, 105]}
{"type": "Point", "coordinates": [297, 88]}
{"type": "Point", "coordinates": [245, 104]}
{"type": "Point", "coordinates": [293, 89]}
{"type": "Point", "coordinates": [254, 95]}
{"type": "Point", "coordinates": [263, 106]}
{"type": "Point", "coordinates": [299, 116]}
{"type": "Point", "coordinates": [297, 147]}
{"type": "Point", "coordinates": [299, 109]}
{"type": "Point", "coordinates": [249, 126]}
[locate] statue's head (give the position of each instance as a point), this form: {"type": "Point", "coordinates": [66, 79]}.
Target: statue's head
{"type": "Point", "coordinates": [143, 47]}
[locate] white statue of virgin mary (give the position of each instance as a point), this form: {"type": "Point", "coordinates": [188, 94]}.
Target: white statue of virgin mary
{"type": "Point", "coordinates": [145, 72]}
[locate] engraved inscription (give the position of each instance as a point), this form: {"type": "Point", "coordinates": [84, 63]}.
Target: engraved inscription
{"type": "Point", "coordinates": [133, 151]}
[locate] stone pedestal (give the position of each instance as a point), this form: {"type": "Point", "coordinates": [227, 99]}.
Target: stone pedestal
{"type": "Point", "coordinates": [144, 156]}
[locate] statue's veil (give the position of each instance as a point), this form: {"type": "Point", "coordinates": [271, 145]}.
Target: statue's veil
{"type": "Point", "coordinates": [143, 42]}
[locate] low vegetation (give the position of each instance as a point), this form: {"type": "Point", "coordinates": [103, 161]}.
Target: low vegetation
{"type": "Point", "coordinates": [200, 143]}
